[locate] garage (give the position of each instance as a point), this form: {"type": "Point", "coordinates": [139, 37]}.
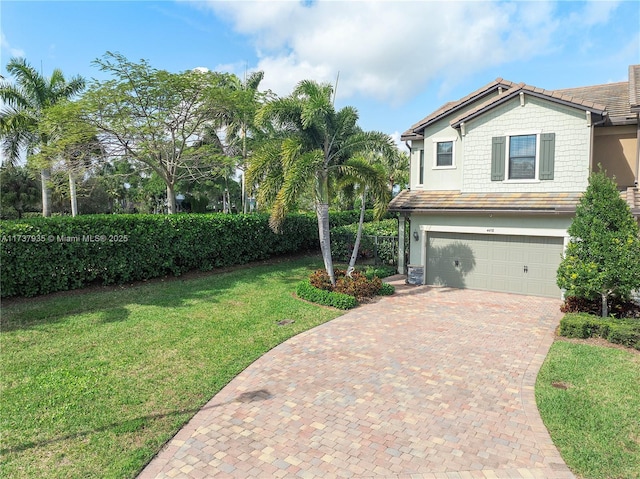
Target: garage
{"type": "Point", "coordinates": [494, 262]}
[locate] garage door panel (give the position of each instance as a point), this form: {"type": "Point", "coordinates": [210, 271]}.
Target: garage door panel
{"type": "Point", "coordinates": [518, 264]}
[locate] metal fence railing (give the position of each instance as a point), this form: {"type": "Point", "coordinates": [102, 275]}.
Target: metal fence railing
{"type": "Point", "coordinates": [376, 250]}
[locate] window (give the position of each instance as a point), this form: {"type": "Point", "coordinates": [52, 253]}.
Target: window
{"type": "Point", "coordinates": [421, 174]}
{"type": "Point", "coordinates": [522, 157]}
{"type": "Point", "coordinates": [444, 153]}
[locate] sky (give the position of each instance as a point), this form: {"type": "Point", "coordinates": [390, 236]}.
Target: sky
{"type": "Point", "coordinates": [394, 61]}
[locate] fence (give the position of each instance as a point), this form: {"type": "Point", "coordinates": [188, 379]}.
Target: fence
{"type": "Point", "coordinates": [373, 249]}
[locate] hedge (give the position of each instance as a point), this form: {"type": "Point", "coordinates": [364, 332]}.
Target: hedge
{"type": "Point", "coordinates": [306, 290]}
{"type": "Point", "coordinates": [44, 255]}
{"type": "Point", "coordinates": [379, 240]}
{"type": "Point", "coordinates": [618, 331]}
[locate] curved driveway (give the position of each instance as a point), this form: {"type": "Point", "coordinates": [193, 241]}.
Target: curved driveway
{"type": "Point", "coordinates": [428, 383]}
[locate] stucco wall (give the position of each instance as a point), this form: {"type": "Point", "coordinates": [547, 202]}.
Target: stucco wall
{"type": "Point", "coordinates": [615, 149]}
{"type": "Point", "coordinates": [572, 145]}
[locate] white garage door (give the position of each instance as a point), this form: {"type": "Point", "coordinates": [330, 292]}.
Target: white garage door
{"type": "Point", "coordinates": [514, 264]}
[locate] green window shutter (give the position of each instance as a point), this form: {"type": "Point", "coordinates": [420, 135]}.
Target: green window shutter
{"type": "Point", "coordinates": [497, 158]}
{"type": "Point", "coordinates": [547, 155]}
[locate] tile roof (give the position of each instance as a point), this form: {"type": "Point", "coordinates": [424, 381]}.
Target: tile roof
{"type": "Point", "coordinates": [435, 201]}
{"type": "Point", "coordinates": [615, 96]}
{"type": "Point", "coordinates": [452, 106]}
{"type": "Point", "coordinates": [556, 96]}
{"type": "Point", "coordinates": [621, 101]}
{"type": "Point", "coordinates": [634, 87]}
{"type": "Point", "coordinates": [456, 201]}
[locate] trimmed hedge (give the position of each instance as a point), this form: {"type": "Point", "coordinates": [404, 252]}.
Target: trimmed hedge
{"type": "Point", "coordinates": [44, 255]}
{"type": "Point", "coordinates": [306, 290]}
{"type": "Point", "coordinates": [618, 331]}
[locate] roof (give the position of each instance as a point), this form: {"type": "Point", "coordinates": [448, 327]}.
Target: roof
{"type": "Point", "coordinates": [615, 96]}
{"type": "Point", "coordinates": [634, 87]}
{"type": "Point", "coordinates": [619, 102]}
{"type": "Point", "coordinates": [555, 96]}
{"type": "Point", "coordinates": [441, 201]}
{"type": "Point", "coordinates": [522, 203]}
{"type": "Point", "coordinates": [414, 133]}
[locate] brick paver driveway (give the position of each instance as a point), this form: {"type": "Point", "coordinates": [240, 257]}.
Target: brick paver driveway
{"type": "Point", "coordinates": [429, 383]}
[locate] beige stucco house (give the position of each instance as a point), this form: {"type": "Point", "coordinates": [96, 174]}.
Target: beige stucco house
{"type": "Point", "coordinates": [496, 176]}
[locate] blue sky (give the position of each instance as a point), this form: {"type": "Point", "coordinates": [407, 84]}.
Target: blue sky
{"type": "Point", "coordinates": [397, 60]}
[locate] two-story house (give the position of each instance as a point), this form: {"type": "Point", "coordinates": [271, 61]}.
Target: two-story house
{"type": "Point", "coordinates": [496, 176]}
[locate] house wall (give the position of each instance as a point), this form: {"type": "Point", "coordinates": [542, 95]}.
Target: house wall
{"type": "Point", "coordinates": [572, 145]}
{"type": "Point", "coordinates": [615, 149]}
{"type": "Point", "coordinates": [440, 179]}
{"type": "Point", "coordinates": [487, 221]}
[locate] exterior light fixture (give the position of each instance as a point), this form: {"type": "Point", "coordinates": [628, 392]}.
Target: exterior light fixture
{"type": "Point", "coordinates": [416, 236]}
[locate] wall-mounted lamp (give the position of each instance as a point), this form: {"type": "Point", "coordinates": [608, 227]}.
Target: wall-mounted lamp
{"type": "Point", "coordinates": [416, 236]}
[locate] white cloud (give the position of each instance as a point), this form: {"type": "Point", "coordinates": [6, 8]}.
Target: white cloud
{"type": "Point", "coordinates": [14, 52]}
{"type": "Point", "coordinates": [390, 50]}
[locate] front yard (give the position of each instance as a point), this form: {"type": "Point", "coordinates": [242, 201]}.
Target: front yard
{"type": "Point", "coordinates": [94, 383]}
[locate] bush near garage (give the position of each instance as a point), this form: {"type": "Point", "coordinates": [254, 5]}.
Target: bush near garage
{"type": "Point", "coordinates": [624, 331]}
{"type": "Point", "coordinates": [318, 288]}
{"type": "Point", "coordinates": [44, 255]}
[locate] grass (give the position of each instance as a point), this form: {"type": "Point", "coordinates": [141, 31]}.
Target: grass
{"type": "Point", "coordinates": [94, 383]}
{"type": "Point", "coordinates": [593, 412]}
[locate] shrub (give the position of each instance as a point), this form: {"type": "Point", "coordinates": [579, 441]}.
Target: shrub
{"type": "Point", "coordinates": [44, 255]}
{"type": "Point", "coordinates": [379, 271]}
{"type": "Point", "coordinates": [386, 289]}
{"type": "Point", "coordinates": [619, 331]}
{"type": "Point", "coordinates": [618, 307]}
{"type": "Point", "coordinates": [358, 285]}
{"type": "Point", "coordinates": [306, 290]}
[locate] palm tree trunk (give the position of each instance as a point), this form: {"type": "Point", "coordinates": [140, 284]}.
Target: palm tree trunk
{"type": "Point", "coordinates": [322, 212]}
{"type": "Point", "coordinates": [45, 177]}
{"type": "Point", "coordinates": [605, 306]}
{"type": "Point", "coordinates": [73, 195]}
{"type": "Point", "coordinates": [356, 245]}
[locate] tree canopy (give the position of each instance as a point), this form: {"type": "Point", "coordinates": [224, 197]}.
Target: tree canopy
{"type": "Point", "coordinates": [602, 259]}
{"type": "Point", "coordinates": [158, 118]}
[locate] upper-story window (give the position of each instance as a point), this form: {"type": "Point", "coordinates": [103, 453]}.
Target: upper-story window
{"type": "Point", "coordinates": [523, 157]}
{"type": "Point", "coordinates": [444, 153]}
{"type": "Point", "coordinates": [421, 174]}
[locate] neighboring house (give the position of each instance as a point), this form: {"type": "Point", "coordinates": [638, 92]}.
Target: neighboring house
{"type": "Point", "coordinates": [496, 177]}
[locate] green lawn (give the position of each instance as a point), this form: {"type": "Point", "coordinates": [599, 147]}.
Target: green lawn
{"type": "Point", "coordinates": [93, 383]}
{"type": "Point", "coordinates": [593, 413]}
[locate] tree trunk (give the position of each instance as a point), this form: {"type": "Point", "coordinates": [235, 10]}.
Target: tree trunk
{"type": "Point", "coordinates": [73, 195]}
{"type": "Point", "coordinates": [171, 199]}
{"type": "Point", "coordinates": [45, 177]}
{"type": "Point", "coordinates": [322, 211]}
{"type": "Point", "coordinates": [605, 306]}
{"type": "Point", "coordinates": [356, 245]}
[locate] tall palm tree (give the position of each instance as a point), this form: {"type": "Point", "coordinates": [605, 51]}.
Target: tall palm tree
{"type": "Point", "coordinates": [314, 146]}
{"type": "Point", "coordinates": [23, 109]}
{"type": "Point", "coordinates": [242, 132]}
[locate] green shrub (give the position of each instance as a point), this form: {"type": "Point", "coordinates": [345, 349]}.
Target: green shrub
{"type": "Point", "coordinates": [385, 249]}
{"type": "Point", "coordinates": [386, 289]}
{"type": "Point", "coordinates": [306, 290]}
{"type": "Point", "coordinates": [379, 271]}
{"type": "Point", "coordinates": [44, 255]}
{"type": "Point", "coordinates": [626, 334]}
{"type": "Point", "coordinates": [619, 331]}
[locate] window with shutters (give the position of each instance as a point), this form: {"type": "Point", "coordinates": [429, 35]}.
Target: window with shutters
{"type": "Point", "coordinates": [523, 157]}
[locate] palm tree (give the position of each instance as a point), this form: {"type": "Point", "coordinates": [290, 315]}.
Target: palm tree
{"type": "Point", "coordinates": [242, 132]}
{"type": "Point", "coordinates": [23, 109]}
{"type": "Point", "coordinates": [314, 146]}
